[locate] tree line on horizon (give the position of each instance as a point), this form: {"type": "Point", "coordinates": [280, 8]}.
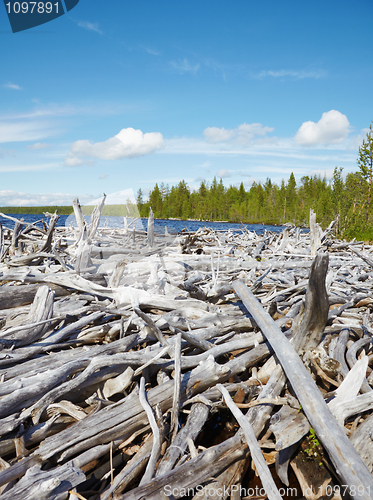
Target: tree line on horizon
{"type": "Point", "coordinates": [347, 200]}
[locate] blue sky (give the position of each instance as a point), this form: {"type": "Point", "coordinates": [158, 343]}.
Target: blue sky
{"type": "Point", "coordinates": [119, 95]}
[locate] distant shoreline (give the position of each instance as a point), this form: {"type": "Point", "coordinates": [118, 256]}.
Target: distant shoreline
{"type": "Point", "coordinates": [66, 210]}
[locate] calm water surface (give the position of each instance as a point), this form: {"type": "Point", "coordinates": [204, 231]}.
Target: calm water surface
{"type": "Point", "coordinates": [173, 226]}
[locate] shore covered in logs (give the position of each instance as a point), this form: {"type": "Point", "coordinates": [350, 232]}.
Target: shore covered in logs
{"type": "Point", "coordinates": [207, 365]}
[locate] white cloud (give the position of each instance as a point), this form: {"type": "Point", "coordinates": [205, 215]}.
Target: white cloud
{"type": "Point", "coordinates": [10, 198]}
{"type": "Point", "coordinates": [129, 143]}
{"type": "Point", "coordinates": [243, 135]}
{"type": "Point", "coordinates": [12, 86]}
{"type": "Point", "coordinates": [28, 130]}
{"type": "Point", "coordinates": [151, 51]}
{"type": "Point", "coordinates": [66, 110]}
{"type": "Point", "coordinates": [332, 128]}
{"type": "Point", "coordinates": [74, 161]}
{"type": "Point", "coordinates": [222, 173]}
{"type": "Point", "coordinates": [103, 176]}
{"type": "Point", "coordinates": [215, 134]}
{"type": "Point", "coordinates": [28, 168]}
{"type": "Point", "coordinates": [89, 26]}
{"type": "Point", "coordinates": [117, 198]}
{"type": "Point", "coordinates": [266, 159]}
{"type": "Point", "coordinates": [38, 145]}
{"type": "Point", "coordinates": [293, 74]}
{"type": "Point", "coordinates": [44, 111]}
{"type": "Point", "coordinates": [184, 66]}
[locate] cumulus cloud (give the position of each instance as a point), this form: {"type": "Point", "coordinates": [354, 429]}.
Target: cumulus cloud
{"type": "Point", "coordinates": [244, 134]}
{"type": "Point", "coordinates": [184, 66]}
{"type": "Point", "coordinates": [332, 128]}
{"type": "Point", "coordinates": [129, 143]}
{"type": "Point", "coordinates": [38, 145]}
{"type": "Point", "coordinates": [222, 173]}
{"type": "Point", "coordinates": [215, 134]}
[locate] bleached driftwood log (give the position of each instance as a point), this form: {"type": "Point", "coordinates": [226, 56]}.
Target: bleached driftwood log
{"type": "Point", "coordinates": [308, 334]}
{"type": "Point", "coordinates": [79, 377]}
{"type": "Point", "coordinates": [338, 446]}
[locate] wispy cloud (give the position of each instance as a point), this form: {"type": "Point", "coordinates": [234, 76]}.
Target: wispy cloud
{"type": "Point", "coordinates": [87, 25]}
{"type": "Point", "coordinates": [74, 161]}
{"type": "Point", "coordinates": [61, 110]}
{"type": "Point", "coordinates": [291, 74]}
{"type": "Point", "coordinates": [225, 69]}
{"type": "Point", "coordinates": [38, 145]}
{"type": "Point", "coordinates": [42, 112]}
{"type": "Point", "coordinates": [151, 51]}
{"type": "Point", "coordinates": [223, 173]}
{"type": "Point", "coordinates": [184, 66]}
{"type": "Point", "coordinates": [12, 86]}
{"type": "Point", "coordinates": [27, 130]}
{"type": "Point", "coordinates": [28, 168]}
{"type": "Point", "coordinates": [244, 134]}
{"type": "Point", "coordinates": [10, 198]}
{"type": "Point", "coordinates": [282, 148]}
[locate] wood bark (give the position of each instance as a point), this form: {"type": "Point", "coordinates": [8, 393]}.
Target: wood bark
{"type": "Point", "coordinates": [334, 440]}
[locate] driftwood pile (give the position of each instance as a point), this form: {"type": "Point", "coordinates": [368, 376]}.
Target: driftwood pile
{"type": "Point", "coordinates": [210, 365]}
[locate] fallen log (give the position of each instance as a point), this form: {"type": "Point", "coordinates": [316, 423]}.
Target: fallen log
{"type": "Point", "coordinates": [353, 473]}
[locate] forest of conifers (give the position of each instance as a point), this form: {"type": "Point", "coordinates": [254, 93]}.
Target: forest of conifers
{"type": "Point", "coordinates": [268, 203]}
{"type": "Point", "coordinates": [348, 200]}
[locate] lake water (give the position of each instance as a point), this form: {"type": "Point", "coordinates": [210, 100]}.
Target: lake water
{"type": "Point", "coordinates": [173, 226]}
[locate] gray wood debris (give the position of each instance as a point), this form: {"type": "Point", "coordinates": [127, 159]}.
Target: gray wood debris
{"type": "Point", "coordinates": [141, 365]}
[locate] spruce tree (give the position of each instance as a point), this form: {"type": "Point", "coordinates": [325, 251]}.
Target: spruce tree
{"type": "Point", "coordinates": [365, 162]}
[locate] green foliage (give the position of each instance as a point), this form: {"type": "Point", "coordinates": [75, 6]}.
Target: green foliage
{"type": "Point", "coordinates": [261, 203]}
{"type": "Point", "coordinates": [313, 445]}
{"type": "Point", "coordinates": [348, 201]}
{"type": "Point", "coordinates": [61, 210]}
{"type": "Point", "coordinates": [365, 157]}
{"type": "Point", "coordinates": [365, 163]}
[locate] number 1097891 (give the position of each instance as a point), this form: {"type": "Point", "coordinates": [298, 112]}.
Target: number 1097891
{"type": "Point", "coordinates": [32, 7]}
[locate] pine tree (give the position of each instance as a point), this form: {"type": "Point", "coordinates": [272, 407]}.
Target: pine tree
{"type": "Point", "coordinates": [365, 162]}
{"type": "Point", "coordinates": [155, 200]}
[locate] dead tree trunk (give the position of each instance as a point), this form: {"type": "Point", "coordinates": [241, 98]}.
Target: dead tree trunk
{"type": "Point", "coordinates": [308, 332]}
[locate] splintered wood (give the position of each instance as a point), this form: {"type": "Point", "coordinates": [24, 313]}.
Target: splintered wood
{"type": "Point", "coordinates": [219, 365]}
